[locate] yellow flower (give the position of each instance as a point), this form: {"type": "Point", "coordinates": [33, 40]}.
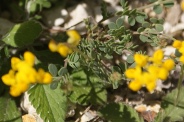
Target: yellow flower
{"type": "Point", "coordinates": [9, 79]}
{"type": "Point", "coordinates": [177, 44]}
{"type": "Point", "coordinates": [53, 46]}
{"type": "Point", "coordinates": [29, 58]}
{"type": "Point", "coordinates": [74, 37]}
{"type": "Point", "coordinates": [44, 77]}
{"type": "Point", "coordinates": [148, 70]}
{"type": "Point", "coordinates": [14, 62]}
{"type": "Point", "coordinates": [168, 64]}
{"type": "Point", "coordinates": [23, 74]}
{"type": "Point", "coordinates": [64, 50]}
{"type": "Point", "coordinates": [182, 59]}
{"type": "Point", "coordinates": [157, 56]}
{"type": "Point", "coordinates": [162, 73]}
{"type": "Point", "coordinates": [135, 85]}
{"type": "Point", "coordinates": [133, 72]}
{"type": "Point", "coordinates": [140, 59]}
{"type": "Point", "coordinates": [151, 86]}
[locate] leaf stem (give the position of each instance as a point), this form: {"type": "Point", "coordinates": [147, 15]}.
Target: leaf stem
{"type": "Point", "coordinates": [152, 4]}
{"type": "Point", "coordinates": [179, 84]}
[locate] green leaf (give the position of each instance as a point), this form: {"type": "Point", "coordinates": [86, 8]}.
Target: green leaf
{"type": "Point", "coordinates": [131, 21]}
{"type": "Point", "coordinates": [169, 4]}
{"type": "Point", "coordinates": [172, 107]}
{"type": "Point", "coordinates": [53, 69]}
{"type": "Point", "coordinates": [139, 19]}
{"type": "Point", "coordinates": [112, 25]}
{"type": "Point", "coordinates": [130, 58]}
{"type": "Point", "coordinates": [118, 112]}
{"type": "Point", "coordinates": [54, 85]}
{"type": "Point", "coordinates": [141, 29]}
{"type": "Point", "coordinates": [32, 6]}
{"type": "Point", "coordinates": [157, 9]}
{"type": "Point", "coordinates": [23, 34]}
{"type": "Point", "coordinates": [146, 24]}
{"type": "Point", "coordinates": [85, 95]}
{"type": "Point", "coordinates": [153, 20]}
{"type": "Point", "coordinates": [50, 104]}
{"type": "Point", "coordinates": [73, 60]}
{"type": "Point", "coordinates": [159, 27]}
{"type": "Point", "coordinates": [143, 38]}
{"type": "Point", "coordinates": [46, 4]}
{"type": "Point", "coordinates": [9, 111]}
{"type": "Point", "coordinates": [152, 1]}
{"type": "Point", "coordinates": [62, 71]}
{"type": "Point", "coordinates": [119, 22]}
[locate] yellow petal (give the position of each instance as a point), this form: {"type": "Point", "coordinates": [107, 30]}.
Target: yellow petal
{"type": "Point", "coordinates": [158, 56]}
{"type": "Point", "coordinates": [29, 58]}
{"type": "Point", "coordinates": [52, 46]}
{"type": "Point", "coordinates": [135, 85]}
{"type": "Point", "coordinates": [47, 78]}
{"type": "Point", "coordinates": [63, 50]}
{"type": "Point", "coordinates": [168, 64]}
{"type": "Point", "coordinates": [14, 62]}
{"type": "Point", "coordinates": [162, 74]}
{"type": "Point", "coordinates": [177, 44]}
{"type": "Point", "coordinates": [151, 86]}
{"type": "Point", "coordinates": [74, 37]}
{"type": "Point", "coordinates": [182, 59]}
{"type": "Point", "coordinates": [140, 60]}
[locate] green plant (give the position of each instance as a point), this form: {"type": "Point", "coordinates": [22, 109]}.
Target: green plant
{"type": "Point", "coordinates": [91, 67]}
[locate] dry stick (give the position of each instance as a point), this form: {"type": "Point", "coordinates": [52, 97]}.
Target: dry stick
{"type": "Point", "coordinates": [155, 3]}
{"type": "Point", "coordinates": [87, 109]}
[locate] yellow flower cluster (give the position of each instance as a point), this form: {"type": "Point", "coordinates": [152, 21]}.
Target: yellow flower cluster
{"type": "Point", "coordinates": [65, 49]}
{"type": "Point", "coordinates": [23, 74]}
{"type": "Point", "coordinates": [180, 46]}
{"type": "Point", "coordinates": [148, 70]}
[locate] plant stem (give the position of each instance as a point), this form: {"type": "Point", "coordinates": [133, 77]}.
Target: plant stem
{"type": "Point", "coordinates": [152, 4]}
{"type": "Point", "coordinates": [179, 84]}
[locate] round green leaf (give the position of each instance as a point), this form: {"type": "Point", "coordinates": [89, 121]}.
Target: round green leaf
{"type": "Point", "coordinates": [157, 9]}
{"type": "Point", "coordinates": [143, 38]}
{"type": "Point", "coordinates": [112, 25]}
{"type": "Point", "coordinates": [146, 24]}
{"type": "Point", "coordinates": [139, 19]}
{"type": "Point", "coordinates": [119, 22]}
{"type": "Point", "coordinates": [62, 71]}
{"type": "Point", "coordinates": [159, 27]}
{"type": "Point", "coordinates": [130, 59]}
{"type": "Point", "coordinates": [141, 29]}
{"type": "Point", "coordinates": [131, 21]}
{"type": "Point", "coordinates": [53, 69]}
{"type": "Point", "coordinates": [23, 34]}
{"type": "Point", "coordinates": [54, 85]}
{"type": "Point", "coordinates": [153, 20]}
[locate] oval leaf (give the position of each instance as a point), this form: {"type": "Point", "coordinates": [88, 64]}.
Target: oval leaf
{"type": "Point", "coordinates": [143, 38]}
{"type": "Point", "coordinates": [131, 21]}
{"type": "Point", "coordinates": [159, 27]}
{"type": "Point", "coordinates": [157, 9]}
{"type": "Point", "coordinates": [112, 25]}
{"type": "Point", "coordinates": [139, 19]}
{"type": "Point", "coordinates": [23, 34]}
{"type": "Point", "coordinates": [53, 69]}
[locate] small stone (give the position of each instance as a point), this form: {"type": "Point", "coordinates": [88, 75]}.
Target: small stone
{"type": "Point", "coordinates": [28, 118]}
